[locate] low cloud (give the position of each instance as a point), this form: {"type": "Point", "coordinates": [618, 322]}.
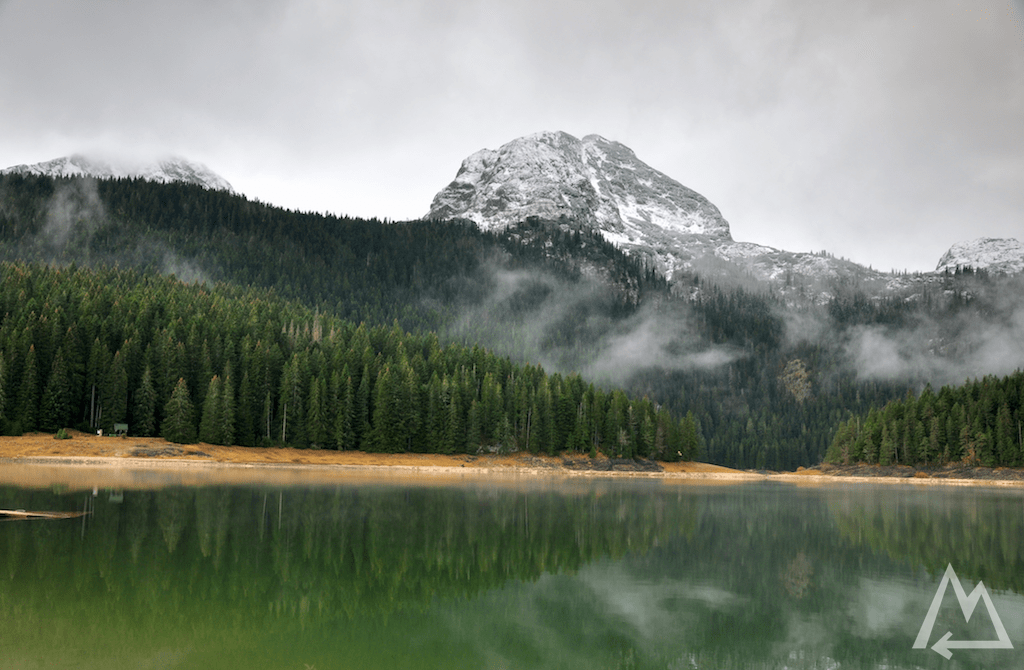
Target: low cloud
{"type": "Point", "coordinates": [972, 345]}
{"type": "Point", "coordinates": [75, 209]}
{"type": "Point", "coordinates": [587, 326]}
{"type": "Point", "coordinates": [652, 339]}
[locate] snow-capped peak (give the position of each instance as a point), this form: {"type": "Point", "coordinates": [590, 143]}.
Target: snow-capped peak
{"type": "Point", "coordinates": [594, 180]}
{"type": "Point", "coordinates": [164, 170]}
{"type": "Point", "coordinates": [1002, 255]}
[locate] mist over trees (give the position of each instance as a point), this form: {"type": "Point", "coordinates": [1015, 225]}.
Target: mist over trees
{"type": "Point", "coordinates": [761, 378]}
{"type": "Point", "coordinates": [92, 348]}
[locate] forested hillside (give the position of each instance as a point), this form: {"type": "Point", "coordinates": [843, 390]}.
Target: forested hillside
{"type": "Point", "coordinates": [977, 423]}
{"type": "Point", "coordinates": [767, 378]}
{"type": "Point", "coordinates": [362, 270]}
{"type": "Point", "coordinates": [231, 366]}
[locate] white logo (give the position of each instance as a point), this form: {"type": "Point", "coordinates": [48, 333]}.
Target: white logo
{"type": "Point", "coordinates": [967, 605]}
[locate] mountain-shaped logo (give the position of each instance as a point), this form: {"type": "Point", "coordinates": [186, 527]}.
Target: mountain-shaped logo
{"type": "Point", "coordinates": [967, 606]}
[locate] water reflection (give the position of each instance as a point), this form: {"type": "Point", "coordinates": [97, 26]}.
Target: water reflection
{"type": "Point", "coordinates": [587, 575]}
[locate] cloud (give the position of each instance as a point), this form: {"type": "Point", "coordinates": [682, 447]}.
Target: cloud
{"type": "Point", "coordinates": [74, 209]}
{"type": "Point", "coordinates": [985, 338]}
{"type": "Point", "coordinates": [656, 339]}
{"type": "Point", "coordinates": [584, 326]}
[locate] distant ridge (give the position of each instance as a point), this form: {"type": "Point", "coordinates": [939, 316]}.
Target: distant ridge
{"type": "Point", "coordinates": [163, 170]}
{"type": "Point", "coordinates": [601, 184]}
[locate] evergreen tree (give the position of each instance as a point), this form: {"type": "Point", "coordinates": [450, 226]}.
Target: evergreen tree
{"type": "Point", "coordinates": [226, 420]}
{"type": "Point", "coordinates": [245, 413]}
{"type": "Point", "coordinates": [29, 396]}
{"type": "Point", "coordinates": [474, 433]}
{"type": "Point", "coordinates": [178, 420]}
{"type": "Point", "coordinates": [115, 393]}
{"type": "Point", "coordinates": [316, 414]}
{"type": "Point", "coordinates": [3, 393]}
{"type": "Point", "coordinates": [144, 416]}
{"type": "Point", "coordinates": [887, 450]}
{"type": "Point", "coordinates": [385, 433]}
{"type": "Point", "coordinates": [56, 409]}
{"type": "Point", "coordinates": [209, 424]}
{"type": "Point", "coordinates": [344, 432]}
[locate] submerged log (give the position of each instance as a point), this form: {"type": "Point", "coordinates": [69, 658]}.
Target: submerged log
{"type": "Point", "coordinates": [10, 514]}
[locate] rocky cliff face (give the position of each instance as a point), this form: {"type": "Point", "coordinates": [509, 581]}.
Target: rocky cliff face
{"type": "Point", "coordinates": [602, 184]}
{"type": "Point", "coordinates": [592, 180]}
{"type": "Point", "coordinates": [164, 170]}
{"type": "Point", "coordinates": [1005, 256]}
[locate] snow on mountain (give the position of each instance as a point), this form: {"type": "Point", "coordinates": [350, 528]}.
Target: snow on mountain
{"type": "Point", "coordinates": [602, 184]}
{"type": "Point", "coordinates": [163, 170]}
{"type": "Point", "coordinates": [995, 255]}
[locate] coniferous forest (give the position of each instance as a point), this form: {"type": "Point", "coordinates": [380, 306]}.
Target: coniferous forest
{"type": "Point", "coordinates": [978, 423]}
{"type": "Point", "coordinates": [94, 348]}
{"type": "Point", "coordinates": [315, 330]}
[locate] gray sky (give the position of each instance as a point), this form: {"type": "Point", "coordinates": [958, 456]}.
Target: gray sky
{"type": "Point", "coordinates": [881, 131]}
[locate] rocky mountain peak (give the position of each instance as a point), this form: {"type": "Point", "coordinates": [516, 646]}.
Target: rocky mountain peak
{"type": "Point", "coordinates": [593, 181]}
{"type": "Point", "coordinates": [164, 170]}
{"type": "Point", "coordinates": [1002, 255]}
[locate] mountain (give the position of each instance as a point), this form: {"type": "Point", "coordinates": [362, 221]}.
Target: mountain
{"type": "Point", "coordinates": [602, 185]}
{"type": "Point", "coordinates": [164, 170]}
{"type": "Point", "coordinates": [1004, 256]}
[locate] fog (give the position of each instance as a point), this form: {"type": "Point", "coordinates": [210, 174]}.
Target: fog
{"type": "Point", "coordinates": [585, 326]}
{"type": "Point", "coordinates": [71, 220]}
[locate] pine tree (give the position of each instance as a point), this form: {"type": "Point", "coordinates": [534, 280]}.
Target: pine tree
{"type": "Point", "coordinates": [3, 393]}
{"type": "Point", "coordinates": [887, 449]}
{"type": "Point", "coordinates": [56, 409]}
{"type": "Point", "coordinates": [344, 433]}
{"type": "Point", "coordinates": [474, 434]}
{"type": "Point", "coordinates": [29, 396]}
{"type": "Point", "coordinates": [453, 439]}
{"type": "Point", "coordinates": [209, 424]}
{"type": "Point", "coordinates": [144, 416]}
{"type": "Point", "coordinates": [115, 393]}
{"type": "Point", "coordinates": [361, 411]}
{"type": "Point", "coordinates": [178, 423]}
{"type": "Point", "coordinates": [245, 412]}
{"type": "Point", "coordinates": [227, 408]}
{"type": "Point", "coordinates": [99, 363]}
{"type": "Point", "coordinates": [385, 431]}
{"type": "Point", "coordinates": [316, 414]}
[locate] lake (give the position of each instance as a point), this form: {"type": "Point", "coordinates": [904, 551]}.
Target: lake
{"type": "Point", "coordinates": [510, 573]}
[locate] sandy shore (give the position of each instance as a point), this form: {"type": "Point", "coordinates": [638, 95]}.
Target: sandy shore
{"type": "Point", "coordinates": [89, 461]}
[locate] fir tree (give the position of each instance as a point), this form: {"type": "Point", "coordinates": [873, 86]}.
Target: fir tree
{"type": "Point", "coordinates": [178, 420]}
{"type": "Point", "coordinates": [29, 395]}
{"type": "Point", "coordinates": [144, 416]}
{"type": "Point", "coordinates": [56, 409]}
{"type": "Point", "coordinates": [209, 424]}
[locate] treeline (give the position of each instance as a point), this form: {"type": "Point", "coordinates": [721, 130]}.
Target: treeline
{"type": "Point", "coordinates": [91, 349]}
{"type": "Point", "coordinates": [978, 423]}
{"type": "Point", "coordinates": [530, 292]}
{"type": "Point", "coordinates": [419, 273]}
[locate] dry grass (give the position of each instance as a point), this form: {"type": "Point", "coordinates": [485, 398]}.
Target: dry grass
{"type": "Point", "coordinates": [88, 446]}
{"type": "Point", "coordinates": [88, 461]}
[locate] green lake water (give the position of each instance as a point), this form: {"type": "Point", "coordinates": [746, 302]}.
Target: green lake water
{"type": "Point", "coordinates": [508, 574]}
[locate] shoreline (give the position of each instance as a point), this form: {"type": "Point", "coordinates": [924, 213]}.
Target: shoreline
{"type": "Point", "coordinates": [89, 461]}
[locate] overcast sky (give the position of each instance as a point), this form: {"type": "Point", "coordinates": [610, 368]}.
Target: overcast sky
{"type": "Point", "coordinates": [881, 131]}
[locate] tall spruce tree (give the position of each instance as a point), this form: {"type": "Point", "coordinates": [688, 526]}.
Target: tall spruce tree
{"type": "Point", "coordinates": [144, 415]}
{"type": "Point", "coordinates": [178, 424]}
{"type": "Point", "coordinates": [56, 408]}
{"type": "Point", "coordinates": [209, 424]}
